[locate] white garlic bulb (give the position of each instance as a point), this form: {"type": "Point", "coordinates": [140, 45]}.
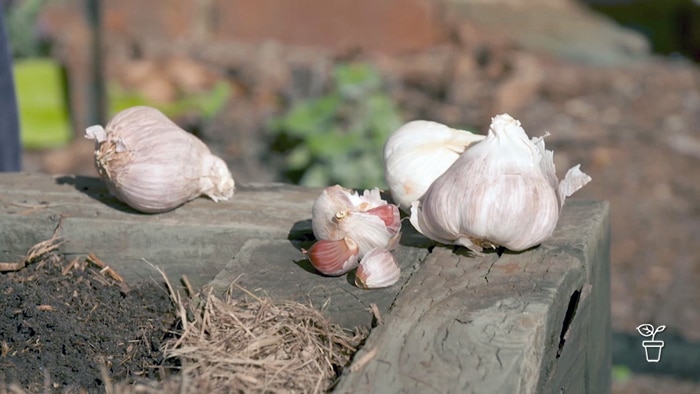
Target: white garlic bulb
{"type": "Point", "coordinates": [377, 269]}
{"type": "Point", "coordinates": [502, 191]}
{"type": "Point", "coordinates": [418, 153]}
{"type": "Point", "coordinates": [348, 225]}
{"type": "Point", "coordinates": [152, 165]}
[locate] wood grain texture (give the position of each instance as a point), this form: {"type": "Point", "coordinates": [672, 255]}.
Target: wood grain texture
{"type": "Point", "coordinates": [493, 324]}
{"type": "Point", "coordinates": [276, 269]}
{"type": "Point", "coordinates": [256, 238]}
{"type": "Point", "coordinates": [197, 239]}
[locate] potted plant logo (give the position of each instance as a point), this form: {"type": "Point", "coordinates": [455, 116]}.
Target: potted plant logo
{"type": "Point", "coordinates": [652, 348]}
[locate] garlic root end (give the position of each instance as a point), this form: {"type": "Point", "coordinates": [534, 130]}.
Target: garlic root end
{"type": "Point", "coordinates": [216, 181]}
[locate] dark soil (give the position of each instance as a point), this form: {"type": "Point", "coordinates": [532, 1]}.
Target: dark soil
{"type": "Point", "coordinates": [65, 327]}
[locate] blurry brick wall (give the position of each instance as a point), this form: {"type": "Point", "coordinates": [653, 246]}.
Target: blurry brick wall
{"type": "Point", "coordinates": [384, 26]}
{"type": "Point", "coordinates": [145, 28]}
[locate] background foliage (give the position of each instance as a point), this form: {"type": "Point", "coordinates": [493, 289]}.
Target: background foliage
{"type": "Point", "coordinates": [338, 137]}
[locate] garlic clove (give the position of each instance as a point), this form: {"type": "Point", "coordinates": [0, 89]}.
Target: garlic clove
{"type": "Point", "coordinates": [366, 219]}
{"type": "Point", "coordinates": [390, 215]}
{"type": "Point", "coordinates": [377, 269]}
{"type": "Point", "coordinates": [328, 210]}
{"type": "Point", "coordinates": [152, 165]}
{"type": "Point", "coordinates": [368, 230]}
{"type": "Point", "coordinates": [334, 258]}
{"type": "Point", "coordinates": [418, 153]}
{"type": "Point", "coordinates": [502, 191]}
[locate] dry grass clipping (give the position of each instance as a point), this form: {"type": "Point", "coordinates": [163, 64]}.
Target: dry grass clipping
{"type": "Point", "coordinates": [36, 252]}
{"type": "Point", "coordinates": [253, 344]}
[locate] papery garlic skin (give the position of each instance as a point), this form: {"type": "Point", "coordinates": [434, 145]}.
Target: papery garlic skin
{"type": "Point", "coordinates": [152, 165]}
{"type": "Point", "coordinates": [418, 153]}
{"type": "Point", "coordinates": [334, 203]}
{"type": "Point", "coordinates": [366, 219]}
{"type": "Point", "coordinates": [502, 191]}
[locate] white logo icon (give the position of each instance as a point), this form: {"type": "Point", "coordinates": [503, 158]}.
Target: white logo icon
{"type": "Point", "coordinates": [652, 348]}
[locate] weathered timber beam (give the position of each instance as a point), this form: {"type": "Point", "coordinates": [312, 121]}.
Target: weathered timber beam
{"type": "Point", "coordinates": [537, 321]}
{"type": "Point", "coordinates": [530, 322]}
{"type": "Point", "coordinates": [254, 239]}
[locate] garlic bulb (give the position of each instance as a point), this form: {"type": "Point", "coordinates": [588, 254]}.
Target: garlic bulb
{"type": "Point", "coordinates": [152, 165]}
{"type": "Point", "coordinates": [378, 269]}
{"type": "Point", "coordinates": [350, 220]}
{"type": "Point", "coordinates": [502, 191]}
{"type": "Point", "coordinates": [418, 153]}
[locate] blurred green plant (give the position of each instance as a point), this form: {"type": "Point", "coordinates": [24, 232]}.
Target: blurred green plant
{"type": "Point", "coordinates": [206, 104]}
{"type": "Point", "coordinates": [338, 137]}
{"type": "Point", "coordinates": [621, 374]}
{"type": "Point", "coordinates": [20, 21]}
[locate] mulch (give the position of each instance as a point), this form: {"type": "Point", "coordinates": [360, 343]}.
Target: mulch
{"type": "Point", "coordinates": [74, 326]}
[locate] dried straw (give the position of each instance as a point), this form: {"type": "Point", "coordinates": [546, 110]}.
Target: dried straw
{"type": "Point", "coordinates": [36, 252]}
{"type": "Point", "coordinates": [253, 344]}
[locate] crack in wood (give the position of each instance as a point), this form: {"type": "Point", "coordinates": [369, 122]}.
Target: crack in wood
{"type": "Point", "coordinates": [416, 266]}
{"type": "Point", "coordinates": [488, 271]}
{"type": "Point", "coordinates": [356, 297]}
{"type": "Point", "coordinates": [568, 319]}
{"type": "Point", "coordinates": [414, 378]}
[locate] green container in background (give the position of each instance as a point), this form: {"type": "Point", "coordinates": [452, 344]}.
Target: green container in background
{"type": "Point", "coordinates": [43, 110]}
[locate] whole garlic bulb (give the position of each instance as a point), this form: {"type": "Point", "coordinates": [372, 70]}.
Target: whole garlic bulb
{"type": "Point", "coordinates": [502, 191]}
{"type": "Point", "coordinates": [418, 153]}
{"type": "Point", "coordinates": [347, 225]}
{"type": "Point", "coordinates": [152, 165]}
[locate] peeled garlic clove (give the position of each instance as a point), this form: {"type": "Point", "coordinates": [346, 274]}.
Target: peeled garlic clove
{"type": "Point", "coordinates": [152, 165]}
{"type": "Point", "coordinates": [418, 153]}
{"type": "Point", "coordinates": [366, 219]}
{"type": "Point", "coordinates": [377, 269]}
{"type": "Point", "coordinates": [334, 258]}
{"type": "Point", "coordinates": [502, 191]}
